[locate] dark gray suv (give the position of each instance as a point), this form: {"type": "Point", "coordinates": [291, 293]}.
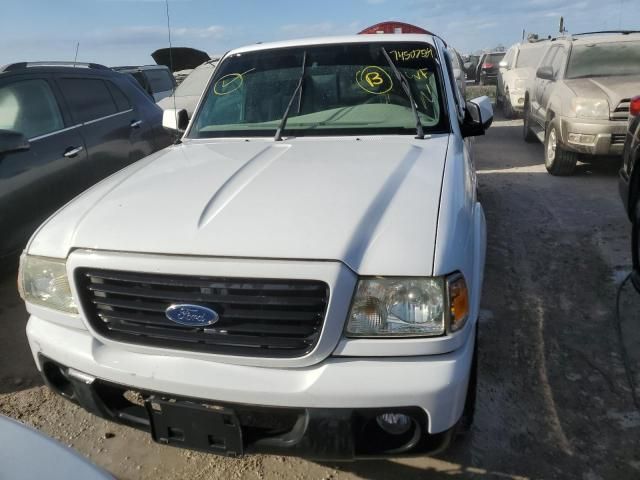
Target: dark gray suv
{"type": "Point", "coordinates": [62, 129]}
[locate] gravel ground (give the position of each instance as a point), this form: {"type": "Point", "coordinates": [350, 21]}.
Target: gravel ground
{"type": "Point", "coordinates": [554, 400]}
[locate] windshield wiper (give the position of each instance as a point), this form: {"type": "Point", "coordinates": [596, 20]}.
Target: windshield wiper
{"type": "Point", "coordinates": [407, 89]}
{"type": "Point", "coordinates": [283, 122]}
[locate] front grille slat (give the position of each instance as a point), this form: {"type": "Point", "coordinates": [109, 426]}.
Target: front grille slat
{"type": "Point", "coordinates": [198, 297]}
{"type": "Point", "coordinates": [251, 327]}
{"type": "Point", "coordinates": [621, 112]}
{"type": "Point", "coordinates": [215, 338]}
{"type": "Point", "coordinates": [257, 317]}
{"type": "Point", "coordinates": [618, 138]}
{"type": "Point", "coordinates": [246, 284]}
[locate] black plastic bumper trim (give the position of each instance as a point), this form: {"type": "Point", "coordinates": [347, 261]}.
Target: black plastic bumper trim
{"type": "Point", "coordinates": [314, 433]}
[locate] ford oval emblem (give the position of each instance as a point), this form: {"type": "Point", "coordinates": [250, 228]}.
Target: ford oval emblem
{"type": "Point", "coordinates": [191, 315]}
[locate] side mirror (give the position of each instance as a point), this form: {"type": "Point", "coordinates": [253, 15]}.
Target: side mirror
{"type": "Point", "coordinates": [11, 141]}
{"type": "Point", "coordinates": [175, 120]}
{"type": "Point", "coordinates": [478, 117]}
{"type": "Point", "coordinates": [503, 64]}
{"type": "Point", "coordinates": [545, 73]}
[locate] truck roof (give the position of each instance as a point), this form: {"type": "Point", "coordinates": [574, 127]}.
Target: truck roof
{"type": "Point", "coordinates": [334, 40]}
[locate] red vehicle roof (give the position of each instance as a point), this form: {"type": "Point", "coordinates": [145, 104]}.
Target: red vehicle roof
{"type": "Point", "coordinates": [394, 27]}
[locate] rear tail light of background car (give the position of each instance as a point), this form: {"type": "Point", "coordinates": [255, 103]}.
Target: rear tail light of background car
{"type": "Point", "coordinates": [487, 65]}
{"type": "Point", "coordinates": [634, 106]}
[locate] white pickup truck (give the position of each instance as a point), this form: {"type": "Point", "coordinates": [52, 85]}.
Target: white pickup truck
{"type": "Point", "coordinates": [299, 274]}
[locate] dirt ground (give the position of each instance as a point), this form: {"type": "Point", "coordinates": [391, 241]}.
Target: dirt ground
{"type": "Point", "coordinates": [554, 400]}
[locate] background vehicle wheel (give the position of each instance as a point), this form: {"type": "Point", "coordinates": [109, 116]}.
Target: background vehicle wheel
{"type": "Point", "coordinates": [507, 109]}
{"type": "Point", "coordinates": [466, 421]}
{"type": "Point", "coordinates": [557, 160]}
{"type": "Point", "coordinates": [527, 133]}
{"type": "Point", "coordinates": [635, 247]}
{"type": "Point", "coordinates": [482, 81]}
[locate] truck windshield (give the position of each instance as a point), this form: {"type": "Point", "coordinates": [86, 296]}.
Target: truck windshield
{"type": "Point", "coordinates": [346, 90]}
{"type": "Point", "coordinates": [605, 59]}
{"type": "Point", "coordinates": [529, 57]}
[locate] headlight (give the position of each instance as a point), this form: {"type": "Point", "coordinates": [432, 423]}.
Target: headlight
{"type": "Point", "coordinates": [590, 107]}
{"type": "Point", "coordinates": [408, 307]}
{"type": "Point", "coordinates": [43, 281]}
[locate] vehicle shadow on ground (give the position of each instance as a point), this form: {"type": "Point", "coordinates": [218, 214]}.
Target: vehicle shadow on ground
{"type": "Point", "coordinates": [509, 135]}
{"type": "Point", "coordinates": [17, 367]}
{"type": "Point", "coordinates": [384, 470]}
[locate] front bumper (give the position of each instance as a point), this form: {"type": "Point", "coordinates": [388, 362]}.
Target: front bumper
{"type": "Point", "coordinates": [334, 395]}
{"type": "Point", "coordinates": [516, 98]}
{"type": "Point", "coordinates": [608, 136]}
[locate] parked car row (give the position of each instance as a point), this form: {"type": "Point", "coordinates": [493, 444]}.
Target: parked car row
{"type": "Point", "coordinates": [156, 80]}
{"type": "Point", "coordinates": [578, 103]}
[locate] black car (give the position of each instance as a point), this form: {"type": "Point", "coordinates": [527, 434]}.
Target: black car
{"type": "Point", "coordinates": [471, 66]}
{"type": "Point", "coordinates": [629, 183]}
{"type": "Point", "coordinates": [488, 67]}
{"type": "Point", "coordinates": [62, 129]}
{"type": "Point", "coordinates": [156, 80]}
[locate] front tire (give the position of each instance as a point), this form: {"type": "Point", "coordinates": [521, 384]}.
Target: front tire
{"type": "Point", "coordinates": [557, 160]}
{"type": "Point", "coordinates": [635, 244]}
{"type": "Point", "coordinates": [507, 109]}
{"type": "Point", "coordinates": [527, 133]}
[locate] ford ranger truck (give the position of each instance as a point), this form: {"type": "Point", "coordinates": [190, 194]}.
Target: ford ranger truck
{"type": "Point", "coordinates": [300, 274]}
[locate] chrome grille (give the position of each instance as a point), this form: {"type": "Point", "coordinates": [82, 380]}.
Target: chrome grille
{"type": "Point", "coordinates": [622, 110]}
{"type": "Point", "coordinates": [257, 317]}
{"type": "Point", "coordinates": [618, 138]}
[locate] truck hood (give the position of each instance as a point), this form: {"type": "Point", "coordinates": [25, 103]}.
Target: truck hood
{"type": "Point", "coordinates": [371, 203]}
{"type": "Point", "coordinates": [614, 89]}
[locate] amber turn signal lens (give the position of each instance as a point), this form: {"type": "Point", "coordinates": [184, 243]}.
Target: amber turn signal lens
{"type": "Point", "coordinates": [458, 302]}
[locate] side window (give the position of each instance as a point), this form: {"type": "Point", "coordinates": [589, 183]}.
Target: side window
{"type": "Point", "coordinates": [88, 98]}
{"type": "Point", "coordinates": [29, 107]}
{"type": "Point", "coordinates": [122, 102]}
{"type": "Point", "coordinates": [160, 80]}
{"type": "Point", "coordinates": [510, 57]}
{"type": "Point", "coordinates": [454, 86]}
{"type": "Point", "coordinates": [454, 59]}
{"type": "Point", "coordinates": [142, 81]}
{"type": "Point", "coordinates": [558, 62]}
{"type": "Point", "coordinates": [548, 58]}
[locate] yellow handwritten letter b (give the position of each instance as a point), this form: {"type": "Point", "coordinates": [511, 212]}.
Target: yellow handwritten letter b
{"type": "Point", "coordinates": [373, 79]}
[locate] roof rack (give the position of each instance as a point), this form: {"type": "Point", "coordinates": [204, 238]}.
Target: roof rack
{"type": "Point", "coordinates": [622, 32]}
{"type": "Point", "coordinates": [22, 65]}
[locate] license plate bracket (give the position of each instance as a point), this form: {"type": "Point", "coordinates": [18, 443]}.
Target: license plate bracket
{"type": "Point", "coordinates": [208, 428]}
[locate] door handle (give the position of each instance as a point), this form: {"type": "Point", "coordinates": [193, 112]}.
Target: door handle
{"type": "Point", "coordinates": [136, 123]}
{"type": "Point", "coordinates": [72, 151]}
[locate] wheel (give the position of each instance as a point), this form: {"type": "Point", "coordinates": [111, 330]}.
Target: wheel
{"type": "Point", "coordinates": [527, 133]}
{"type": "Point", "coordinates": [557, 160]}
{"type": "Point", "coordinates": [635, 245]}
{"type": "Point", "coordinates": [635, 234]}
{"type": "Point", "coordinates": [482, 81]}
{"type": "Point", "coordinates": [466, 420]}
{"type": "Point", "coordinates": [507, 109]}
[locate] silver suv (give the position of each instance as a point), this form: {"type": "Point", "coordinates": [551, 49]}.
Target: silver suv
{"type": "Point", "coordinates": [579, 100]}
